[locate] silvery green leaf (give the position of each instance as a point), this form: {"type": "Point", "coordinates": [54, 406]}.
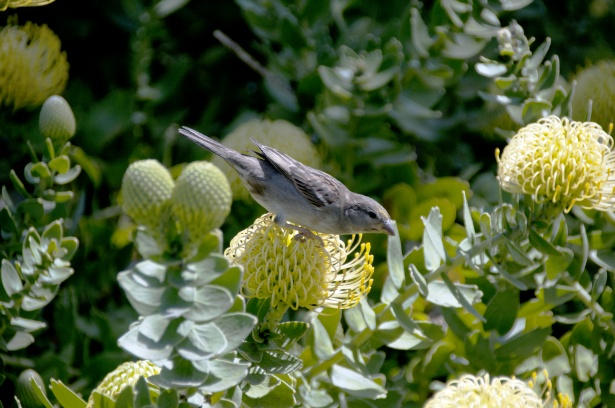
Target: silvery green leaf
{"type": "Point", "coordinates": [140, 346]}
{"type": "Point", "coordinates": [433, 247]}
{"type": "Point", "coordinates": [10, 278]}
{"type": "Point", "coordinates": [355, 383]}
{"type": "Point", "coordinates": [223, 374]}
{"type": "Point", "coordinates": [321, 343]}
{"type": "Point", "coordinates": [395, 259]}
{"type": "Point", "coordinates": [208, 302]}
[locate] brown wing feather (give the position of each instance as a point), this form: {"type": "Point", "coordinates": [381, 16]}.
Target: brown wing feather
{"type": "Point", "coordinates": [316, 186]}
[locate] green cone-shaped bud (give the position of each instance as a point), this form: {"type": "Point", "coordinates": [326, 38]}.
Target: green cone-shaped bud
{"type": "Point", "coordinates": [125, 375]}
{"type": "Point", "coordinates": [56, 120]}
{"type": "Point", "coordinates": [597, 83]}
{"type": "Point", "coordinates": [146, 191]}
{"type": "Point", "coordinates": [201, 199]}
{"type": "Point", "coordinates": [24, 389]}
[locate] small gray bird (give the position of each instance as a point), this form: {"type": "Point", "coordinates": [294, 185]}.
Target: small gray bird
{"type": "Point", "coordinates": [298, 193]}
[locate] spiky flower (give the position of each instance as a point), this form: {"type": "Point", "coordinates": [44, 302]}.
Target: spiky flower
{"type": "Point", "coordinates": [56, 120]}
{"type": "Point", "coordinates": [596, 83]}
{"type": "Point", "coordinates": [201, 199]}
{"type": "Point", "coordinates": [4, 4]}
{"type": "Point", "coordinates": [502, 392]}
{"type": "Point", "coordinates": [279, 134]}
{"type": "Point", "coordinates": [32, 66]}
{"type": "Point", "coordinates": [301, 273]}
{"type": "Point", "coordinates": [147, 187]}
{"type": "Point", "coordinates": [125, 375]}
{"type": "Point", "coordinates": [561, 162]}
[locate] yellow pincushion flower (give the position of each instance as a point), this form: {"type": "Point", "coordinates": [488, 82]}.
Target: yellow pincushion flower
{"type": "Point", "coordinates": [563, 162]}
{"type": "Point", "coordinates": [201, 199]}
{"type": "Point", "coordinates": [32, 66]}
{"type": "Point", "coordinates": [147, 187]}
{"type": "Point", "coordinates": [125, 375]}
{"type": "Point", "coordinates": [300, 273]}
{"type": "Point", "coordinates": [279, 134]}
{"type": "Point", "coordinates": [501, 392]}
{"type": "Point", "coordinates": [4, 4]}
{"type": "Point", "coordinates": [597, 83]}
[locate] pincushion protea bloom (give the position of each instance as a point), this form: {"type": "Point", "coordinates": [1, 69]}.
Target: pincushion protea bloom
{"type": "Point", "coordinates": [32, 66]}
{"type": "Point", "coordinates": [502, 392]}
{"type": "Point", "coordinates": [560, 161]}
{"type": "Point", "coordinates": [125, 375]}
{"type": "Point", "coordinates": [301, 273]}
{"type": "Point", "coordinates": [4, 4]}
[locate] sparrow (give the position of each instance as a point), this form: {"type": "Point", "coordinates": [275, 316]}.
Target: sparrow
{"type": "Point", "coordinates": [294, 192]}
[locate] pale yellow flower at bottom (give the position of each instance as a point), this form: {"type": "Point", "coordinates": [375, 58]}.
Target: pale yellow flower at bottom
{"type": "Point", "coordinates": [301, 273]}
{"type": "Point", "coordinates": [125, 375]}
{"type": "Point", "coordinates": [501, 392]}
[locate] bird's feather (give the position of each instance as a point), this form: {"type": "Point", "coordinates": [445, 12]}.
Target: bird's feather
{"type": "Point", "coordinates": [317, 187]}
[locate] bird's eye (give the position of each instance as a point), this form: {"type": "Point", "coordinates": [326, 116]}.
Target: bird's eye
{"type": "Point", "coordinates": [372, 215]}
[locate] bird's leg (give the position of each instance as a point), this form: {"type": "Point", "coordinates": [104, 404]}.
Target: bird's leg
{"type": "Point", "coordinates": [303, 233]}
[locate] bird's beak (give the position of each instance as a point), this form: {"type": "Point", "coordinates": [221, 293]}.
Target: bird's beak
{"type": "Point", "coordinates": [388, 227]}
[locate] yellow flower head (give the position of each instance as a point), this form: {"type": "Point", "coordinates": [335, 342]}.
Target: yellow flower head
{"type": "Point", "coordinates": [300, 273]}
{"type": "Point", "coordinates": [4, 4]}
{"type": "Point", "coordinates": [279, 134]}
{"type": "Point", "coordinates": [125, 375]}
{"type": "Point", "coordinates": [503, 392]}
{"type": "Point", "coordinates": [32, 67]}
{"type": "Point", "coordinates": [563, 162]}
{"type": "Point", "coordinates": [597, 83]}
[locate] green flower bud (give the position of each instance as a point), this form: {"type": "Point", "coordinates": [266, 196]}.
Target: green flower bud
{"type": "Point", "coordinates": [126, 375]}
{"type": "Point", "coordinates": [201, 199]}
{"type": "Point", "coordinates": [56, 120]}
{"type": "Point", "coordinates": [598, 84]}
{"type": "Point", "coordinates": [24, 389]}
{"type": "Point", "coordinates": [147, 188]}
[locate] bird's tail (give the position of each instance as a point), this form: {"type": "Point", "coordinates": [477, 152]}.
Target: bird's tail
{"type": "Point", "coordinates": [209, 144]}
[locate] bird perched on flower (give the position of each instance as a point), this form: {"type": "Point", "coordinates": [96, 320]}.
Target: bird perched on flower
{"type": "Point", "coordinates": [298, 193]}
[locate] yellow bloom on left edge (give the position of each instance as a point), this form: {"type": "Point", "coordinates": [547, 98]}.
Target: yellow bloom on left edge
{"type": "Point", "coordinates": [4, 4]}
{"type": "Point", "coordinates": [301, 273]}
{"type": "Point", "coordinates": [32, 66]}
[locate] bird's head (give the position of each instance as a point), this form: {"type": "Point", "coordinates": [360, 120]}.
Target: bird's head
{"type": "Point", "coordinates": [366, 215]}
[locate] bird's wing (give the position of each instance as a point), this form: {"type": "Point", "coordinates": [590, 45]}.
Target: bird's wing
{"type": "Point", "coordinates": [316, 186]}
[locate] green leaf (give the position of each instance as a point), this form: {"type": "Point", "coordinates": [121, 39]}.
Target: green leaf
{"type": "Point", "coordinates": [210, 268]}
{"type": "Point", "coordinates": [395, 259]}
{"type": "Point", "coordinates": [138, 345]}
{"type": "Point", "coordinates": [466, 295]}
{"type": "Point", "coordinates": [321, 343]}
{"type": "Point", "coordinates": [440, 294]}
{"type": "Point", "coordinates": [490, 70]}
{"type": "Point", "coordinates": [65, 396]}
{"type": "Point", "coordinates": [223, 374]}
{"type": "Point", "coordinates": [168, 399]}
{"type": "Point", "coordinates": [518, 254]}
{"type": "Point", "coordinates": [555, 357]}
{"type": "Point", "coordinates": [141, 391]}
{"type": "Point", "coordinates": [208, 302]}
{"type": "Point", "coordinates": [34, 172]}
{"type": "Point", "coordinates": [279, 362]}
{"type": "Point", "coordinates": [523, 345]}
{"type": "Point", "coordinates": [67, 177]}
{"type": "Point", "coordinates": [419, 280]}
{"type": "Point", "coordinates": [165, 8]}
{"type": "Point", "coordinates": [10, 279]}
{"type": "Point", "coordinates": [290, 332]}
{"type": "Point", "coordinates": [586, 363]}
{"type": "Point", "coordinates": [7, 223]}
{"type": "Point", "coordinates": [60, 164]}
{"type": "Point", "coordinates": [542, 244]}
{"type": "Point", "coordinates": [433, 247]}
{"type": "Point", "coordinates": [502, 311]}
{"type": "Point", "coordinates": [355, 383]}
{"type": "Point", "coordinates": [17, 183]}
{"type": "Point", "coordinates": [421, 41]}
